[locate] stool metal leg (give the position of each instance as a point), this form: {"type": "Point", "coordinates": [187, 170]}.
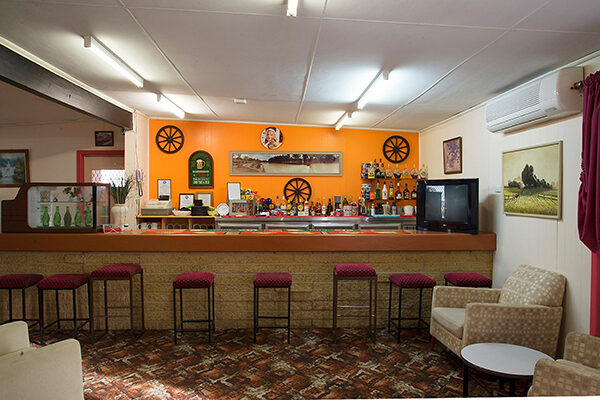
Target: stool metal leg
{"type": "Point", "coordinates": [131, 304]}
{"type": "Point", "coordinates": [142, 298]}
{"type": "Point", "coordinates": [74, 314]}
{"type": "Point", "coordinates": [375, 311]}
{"type": "Point", "coordinates": [420, 306]}
{"type": "Point", "coordinates": [335, 308]}
{"type": "Point", "coordinates": [213, 307]}
{"type": "Point", "coordinates": [289, 311]}
{"type": "Point", "coordinates": [208, 309]}
{"type": "Point", "coordinates": [10, 318]}
{"type": "Point", "coordinates": [390, 308]}
{"type": "Point", "coordinates": [57, 310]}
{"type": "Point", "coordinates": [41, 314]}
{"type": "Point", "coordinates": [105, 306]}
{"type": "Point", "coordinates": [24, 308]}
{"type": "Point", "coordinates": [175, 315]}
{"type": "Point", "coordinates": [91, 308]}
{"type": "Point", "coordinates": [399, 313]}
{"type": "Point", "coordinates": [255, 312]}
{"type": "Point", "coordinates": [370, 306]}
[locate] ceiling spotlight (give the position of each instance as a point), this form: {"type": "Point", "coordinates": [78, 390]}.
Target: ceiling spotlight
{"type": "Point", "coordinates": [110, 58]}
{"type": "Point", "coordinates": [342, 120]}
{"type": "Point", "coordinates": [240, 101]}
{"type": "Point", "coordinates": [381, 78]}
{"type": "Point", "coordinates": [292, 8]}
{"type": "Point", "coordinates": [168, 104]}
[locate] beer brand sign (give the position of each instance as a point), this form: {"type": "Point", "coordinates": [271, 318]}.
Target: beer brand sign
{"type": "Point", "coordinates": [201, 170]}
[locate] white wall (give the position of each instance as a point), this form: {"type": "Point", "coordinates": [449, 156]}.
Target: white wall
{"type": "Point", "coordinates": [549, 244]}
{"type": "Point", "coordinates": [53, 147]}
{"type": "Point", "coordinates": [136, 157]}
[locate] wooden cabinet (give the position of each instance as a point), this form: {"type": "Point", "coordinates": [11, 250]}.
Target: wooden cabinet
{"type": "Point", "coordinates": [175, 222]}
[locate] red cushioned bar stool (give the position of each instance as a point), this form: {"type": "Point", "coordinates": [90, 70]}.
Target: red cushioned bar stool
{"type": "Point", "coordinates": [356, 272]}
{"type": "Point", "coordinates": [408, 281]}
{"type": "Point", "coordinates": [271, 280]}
{"type": "Point", "coordinates": [120, 272]}
{"type": "Point", "coordinates": [65, 282]}
{"type": "Point", "coordinates": [467, 279]}
{"type": "Point", "coordinates": [194, 280]}
{"type": "Point", "coordinates": [21, 282]}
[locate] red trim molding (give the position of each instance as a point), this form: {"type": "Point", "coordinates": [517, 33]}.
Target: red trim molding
{"type": "Point", "coordinates": [81, 154]}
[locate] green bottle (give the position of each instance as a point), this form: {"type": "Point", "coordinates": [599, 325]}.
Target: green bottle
{"type": "Point", "coordinates": [67, 218]}
{"type": "Point", "coordinates": [45, 218]}
{"type": "Point", "coordinates": [77, 218]}
{"type": "Point", "coordinates": [87, 215]}
{"type": "Point", "coordinates": [56, 219]}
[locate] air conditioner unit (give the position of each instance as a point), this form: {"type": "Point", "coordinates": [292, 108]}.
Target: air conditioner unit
{"type": "Point", "coordinates": [544, 99]}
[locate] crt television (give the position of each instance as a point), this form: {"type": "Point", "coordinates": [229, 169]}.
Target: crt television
{"type": "Point", "coordinates": [448, 205]}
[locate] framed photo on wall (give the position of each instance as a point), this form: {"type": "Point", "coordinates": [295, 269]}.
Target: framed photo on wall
{"type": "Point", "coordinates": [452, 149]}
{"type": "Point", "coordinates": [532, 181]}
{"type": "Point", "coordinates": [186, 199]}
{"type": "Point", "coordinates": [206, 198]}
{"type": "Point", "coordinates": [14, 167]}
{"type": "Point", "coordinates": [104, 138]}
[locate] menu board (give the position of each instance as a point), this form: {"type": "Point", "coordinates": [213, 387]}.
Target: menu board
{"type": "Point", "coordinates": [201, 170]}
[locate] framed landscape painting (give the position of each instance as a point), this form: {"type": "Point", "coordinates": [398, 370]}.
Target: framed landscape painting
{"type": "Point", "coordinates": [14, 167]}
{"type": "Point", "coordinates": [285, 163]}
{"type": "Point", "coordinates": [532, 181]}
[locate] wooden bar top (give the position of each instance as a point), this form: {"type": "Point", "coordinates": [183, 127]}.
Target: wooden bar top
{"type": "Point", "coordinates": [262, 241]}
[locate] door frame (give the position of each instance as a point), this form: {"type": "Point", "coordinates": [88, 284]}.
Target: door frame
{"type": "Point", "coordinates": [81, 154]}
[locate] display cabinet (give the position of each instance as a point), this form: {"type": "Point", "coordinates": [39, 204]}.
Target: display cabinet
{"type": "Point", "coordinates": [57, 207]}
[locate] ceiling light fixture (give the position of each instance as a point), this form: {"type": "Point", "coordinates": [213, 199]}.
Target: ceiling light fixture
{"type": "Point", "coordinates": [108, 56]}
{"type": "Point", "coordinates": [240, 101]}
{"type": "Point", "coordinates": [292, 8]}
{"type": "Point", "coordinates": [342, 120]}
{"type": "Point", "coordinates": [172, 107]}
{"type": "Point", "coordinates": [381, 78]}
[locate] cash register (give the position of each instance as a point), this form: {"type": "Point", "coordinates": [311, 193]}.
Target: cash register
{"type": "Point", "coordinates": [158, 207]}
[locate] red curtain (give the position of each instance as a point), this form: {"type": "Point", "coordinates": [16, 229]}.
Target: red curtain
{"type": "Point", "coordinates": [588, 209]}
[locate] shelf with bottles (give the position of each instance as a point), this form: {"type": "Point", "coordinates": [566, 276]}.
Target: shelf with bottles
{"type": "Point", "coordinates": [378, 170]}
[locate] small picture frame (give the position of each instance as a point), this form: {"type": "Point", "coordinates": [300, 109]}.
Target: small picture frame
{"type": "Point", "coordinates": [17, 167]}
{"type": "Point", "coordinates": [104, 138]}
{"type": "Point", "coordinates": [452, 149]}
{"type": "Point", "coordinates": [164, 189]}
{"type": "Point", "coordinates": [234, 190]}
{"type": "Point", "coordinates": [206, 198]}
{"type": "Point", "coordinates": [186, 200]}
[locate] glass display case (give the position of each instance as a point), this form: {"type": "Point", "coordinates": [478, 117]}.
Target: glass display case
{"type": "Point", "coordinates": [57, 207]}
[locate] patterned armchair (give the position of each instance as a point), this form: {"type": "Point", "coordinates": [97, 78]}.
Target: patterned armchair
{"type": "Point", "coordinates": [527, 311]}
{"type": "Point", "coordinates": [578, 374]}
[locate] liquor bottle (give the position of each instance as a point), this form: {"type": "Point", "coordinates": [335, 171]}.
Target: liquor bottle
{"type": "Point", "coordinates": [56, 218]}
{"type": "Point", "coordinates": [345, 202]}
{"type": "Point", "coordinates": [414, 173]}
{"type": "Point", "coordinates": [306, 209]}
{"type": "Point", "coordinates": [406, 192]}
{"type": "Point", "coordinates": [394, 209]}
{"type": "Point", "coordinates": [384, 192]}
{"type": "Point", "coordinates": [413, 193]}
{"type": "Point", "coordinates": [362, 206]}
{"type": "Point", "coordinates": [391, 191]}
{"type": "Point", "coordinates": [372, 209]}
{"type": "Point", "coordinates": [293, 209]}
{"type": "Point", "coordinates": [77, 219]}
{"type": "Point", "coordinates": [67, 218]}
{"type": "Point", "coordinates": [398, 192]}
{"type": "Point", "coordinates": [397, 173]}
{"type": "Point", "coordinates": [318, 209]}
{"type": "Point", "coordinates": [354, 206]}
{"type": "Point", "coordinates": [377, 170]}
{"type": "Point", "coordinates": [381, 169]}
{"type": "Point", "coordinates": [372, 194]}
{"type": "Point", "coordinates": [311, 209]}
{"type": "Point", "coordinates": [388, 172]}
{"type": "Point", "coordinates": [371, 173]}
{"type": "Point", "coordinates": [45, 217]}
{"type": "Point", "coordinates": [329, 208]}
{"type": "Point", "coordinates": [324, 208]}
{"type": "Point", "coordinates": [87, 217]}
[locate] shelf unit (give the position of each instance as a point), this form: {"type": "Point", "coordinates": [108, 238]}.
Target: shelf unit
{"type": "Point", "coordinates": [176, 222]}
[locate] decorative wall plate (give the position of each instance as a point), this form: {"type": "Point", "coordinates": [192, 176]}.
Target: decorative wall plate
{"type": "Point", "coordinates": [169, 139]}
{"type": "Point", "coordinates": [396, 149]}
{"type": "Point", "coordinates": [271, 138]}
{"type": "Point", "coordinates": [223, 209]}
{"type": "Point", "coordinates": [297, 190]}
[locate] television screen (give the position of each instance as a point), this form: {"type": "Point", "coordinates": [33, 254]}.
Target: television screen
{"type": "Point", "coordinates": [448, 205]}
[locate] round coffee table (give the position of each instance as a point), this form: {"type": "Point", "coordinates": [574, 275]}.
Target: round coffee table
{"type": "Point", "coordinates": [500, 359]}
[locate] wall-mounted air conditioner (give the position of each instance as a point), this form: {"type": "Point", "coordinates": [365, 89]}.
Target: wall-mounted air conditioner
{"type": "Point", "coordinates": [544, 99]}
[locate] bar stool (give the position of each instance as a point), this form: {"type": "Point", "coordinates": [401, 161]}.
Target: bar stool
{"type": "Point", "coordinates": [355, 272]}
{"type": "Point", "coordinates": [467, 279]}
{"type": "Point", "coordinates": [16, 282]}
{"type": "Point", "coordinates": [271, 280]}
{"type": "Point", "coordinates": [194, 280]}
{"type": "Point", "coordinates": [65, 282]}
{"type": "Point", "coordinates": [406, 281]}
{"type": "Point", "coordinates": [120, 272]}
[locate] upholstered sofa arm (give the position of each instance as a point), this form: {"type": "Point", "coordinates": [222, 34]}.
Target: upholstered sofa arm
{"type": "Point", "coordinates": [560, 378]}
{"type": "Point", "coordinates": [536, 327]}
{"type": "Point", "coordinates": [459, 297]}
{"type": "Point", "coordinates": [583, 349]}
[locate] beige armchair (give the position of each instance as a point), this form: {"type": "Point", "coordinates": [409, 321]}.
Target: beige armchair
{"type": "Point", "coordinates": [52, 372]}
{"type": "Point", "coordinates": [527, 311]}
{"type": "Point", "coordinates": [578, 374]}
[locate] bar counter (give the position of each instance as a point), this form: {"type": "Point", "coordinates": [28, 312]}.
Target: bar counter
{"type": "Point", "coordinates": [234, 258]}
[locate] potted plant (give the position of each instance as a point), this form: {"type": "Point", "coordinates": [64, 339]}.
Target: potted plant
{"type": "Point", "coordinates": [119, 190]}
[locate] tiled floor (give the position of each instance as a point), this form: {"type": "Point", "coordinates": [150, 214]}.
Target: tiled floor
{"type": "Point", "coordinates": [123, 366]}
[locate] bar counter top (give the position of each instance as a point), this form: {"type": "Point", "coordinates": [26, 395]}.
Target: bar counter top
{"type": "Point", "coordinates": [248, 241]}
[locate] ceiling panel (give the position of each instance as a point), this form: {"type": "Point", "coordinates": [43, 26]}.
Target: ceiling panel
{"type": "Point", "coordinates": [488, 13]}
{"type": "Point", "coordinates": [256, 110]}
{"type": "Point", "coordinates": [236, 56]}
{"type": "Point", "coordinates": [417, 56]}
{"type": "Point", "coordinates": [417, 116]}
{"type": "Point", "coordinates": [574, 15]}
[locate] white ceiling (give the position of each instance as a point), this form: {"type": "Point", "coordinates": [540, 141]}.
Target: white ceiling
{"type": "Point", "coordinates": [444, 55]}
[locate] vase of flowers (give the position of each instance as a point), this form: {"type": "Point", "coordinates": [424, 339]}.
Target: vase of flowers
{"type": "Point", "coordinates": [119, 190]}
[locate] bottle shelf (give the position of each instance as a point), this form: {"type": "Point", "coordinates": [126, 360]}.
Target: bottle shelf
{"type": "Point", "coordinates": [64, 202]}
{"type": "Point", "coordinates": [392, 200]}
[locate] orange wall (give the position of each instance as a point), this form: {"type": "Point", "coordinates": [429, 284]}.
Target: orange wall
{"type": "Point", "coordinates": [219, 138]}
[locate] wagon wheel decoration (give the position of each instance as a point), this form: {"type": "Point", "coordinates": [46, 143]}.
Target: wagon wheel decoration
{"type": "Point", "coordinates": [169, 139]}
{"type": "Point", "coordinates": [396, 149]}
{"type": "Point", "coordinates": [297, 190]}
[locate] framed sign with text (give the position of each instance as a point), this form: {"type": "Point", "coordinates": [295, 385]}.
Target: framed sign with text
{"type": "Point", "coordinates": [201, 170]}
